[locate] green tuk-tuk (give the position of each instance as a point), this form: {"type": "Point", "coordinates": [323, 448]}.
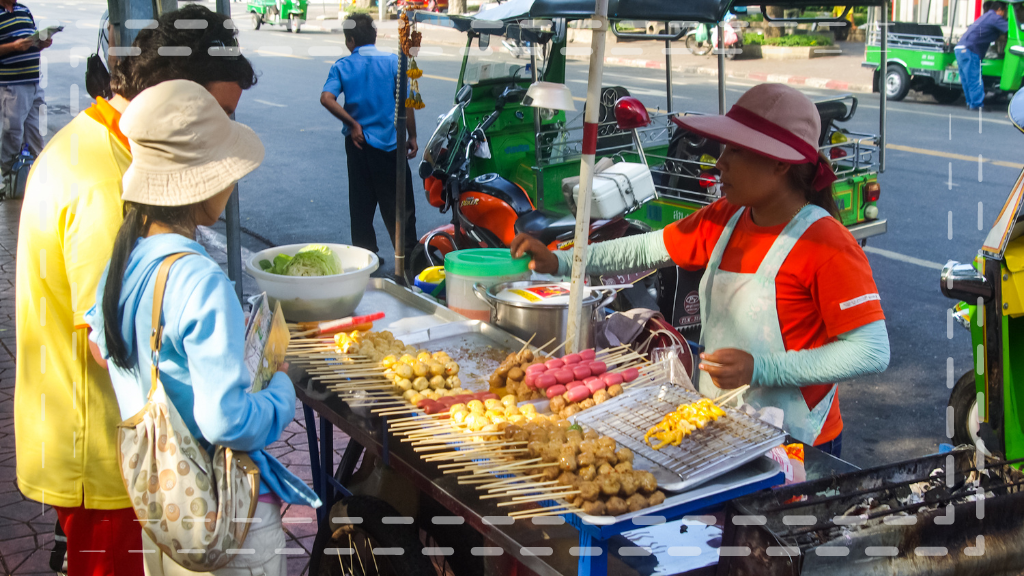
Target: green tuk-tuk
{"type": "Point", "coordinates": [921, 58]}
{"type": "Point", "coordinates": [288, 13]}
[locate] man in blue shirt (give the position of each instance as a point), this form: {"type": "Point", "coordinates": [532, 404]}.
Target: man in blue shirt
{"type": "Point", "coordinates": [971, 50]}
{"type": "Point", "coordinates": [368, 78]}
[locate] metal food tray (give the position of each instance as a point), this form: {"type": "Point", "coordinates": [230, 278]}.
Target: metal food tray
{"type": "Point", "coordinates": [469, 343]}
{"type": "Point", "coordinates": [720, 447]}
{"type": "Point", "coordinates": [404, 310]}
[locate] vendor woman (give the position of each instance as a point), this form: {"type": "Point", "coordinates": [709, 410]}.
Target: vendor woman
{"type": "Point", "coordinates": [788, 301]}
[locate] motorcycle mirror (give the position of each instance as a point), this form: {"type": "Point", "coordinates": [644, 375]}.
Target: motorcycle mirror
{"type": "Point", "coordinates": [425, 169]}
{"type": "Point", "coordinates": [1016, 110]}
{"type": "Point", "coordinates": [464, 95]}
{"type": "Point", "coordinates": [631, 114]}
{"type": "Point", "coordinates": [484, 41]}
{"type": "Point", "coordinates": [963, 282]}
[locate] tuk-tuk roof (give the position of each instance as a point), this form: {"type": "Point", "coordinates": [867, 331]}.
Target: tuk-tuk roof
{"type": "Point", "coordinates": [657, 10]}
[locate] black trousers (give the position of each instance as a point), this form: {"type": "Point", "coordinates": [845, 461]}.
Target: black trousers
{"type": "Point", "coordinates": [372, 177]}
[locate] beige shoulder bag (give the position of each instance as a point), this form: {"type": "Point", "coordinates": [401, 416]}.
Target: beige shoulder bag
{"type": "Point", "coordinates": [194, 507]}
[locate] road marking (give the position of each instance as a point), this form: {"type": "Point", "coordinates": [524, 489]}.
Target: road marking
{"type": "Point", "coordinates": [891, 108]}
{"type": "Point", "coordinates": [953, 156]}
{"type": "Point", "coordinates": [902, 258]}
{"type": "Point", "coordinates": [263, 52]}
{"type": "Point", "coordinates": [274, 104]}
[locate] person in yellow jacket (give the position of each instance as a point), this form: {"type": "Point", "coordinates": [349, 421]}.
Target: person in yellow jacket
{"type": "Point", "coordinates": [65, 411]}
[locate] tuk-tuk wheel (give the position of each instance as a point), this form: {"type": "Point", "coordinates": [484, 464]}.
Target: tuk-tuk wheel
{"type": "Point", "coordinates": [964, 402]}
{"type": "Point", "coordinates": [257, 21]}
{"type": "Point", "coordinates": [294, 23]}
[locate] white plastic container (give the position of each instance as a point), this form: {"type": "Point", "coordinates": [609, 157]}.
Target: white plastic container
{"type": "Point", "coordinates": [619, 189]}
{"type": "Point", "coordinates": [488, 266]}
{"type": "Point", "coordinates": [310, 298]}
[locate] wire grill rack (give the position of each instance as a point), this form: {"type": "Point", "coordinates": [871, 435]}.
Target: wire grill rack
{"type": "Point", "coordinates": [723, 445]}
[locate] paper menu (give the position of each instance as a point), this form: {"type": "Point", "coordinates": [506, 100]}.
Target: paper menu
{"type": "Point", "coordinates": [266, 342]}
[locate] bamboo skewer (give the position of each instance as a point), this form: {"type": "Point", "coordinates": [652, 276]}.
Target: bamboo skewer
{"type": "Point", "coordinates": [725, 398]}
{"type": "Point", "coordinates": [526, 499]}
{"type": "Point", "coordinates": [489, 482]}
{"type": "Point", "coordinates": [527, 344]}
{"type": "Point", "coordinates": [550, 511]}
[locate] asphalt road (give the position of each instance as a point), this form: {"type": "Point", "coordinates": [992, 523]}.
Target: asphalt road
{"type": "Point", "coordinates": [932, 175]}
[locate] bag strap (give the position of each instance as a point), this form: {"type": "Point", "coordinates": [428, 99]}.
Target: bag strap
{"type": "Point", "coordinates": [156, 336]}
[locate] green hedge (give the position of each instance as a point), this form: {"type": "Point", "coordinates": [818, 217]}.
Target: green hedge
{"type": "Point", "coordinates": [790, 40]}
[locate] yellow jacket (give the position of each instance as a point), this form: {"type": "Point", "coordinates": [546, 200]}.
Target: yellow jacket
{"type": "Point", "coordinates": [65, 411]}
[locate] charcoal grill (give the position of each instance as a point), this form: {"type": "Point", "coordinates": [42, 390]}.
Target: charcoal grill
{"type": "Point", "coordinates": [721, 446]}
{"type": "Point", "coordinates": [809, 528]}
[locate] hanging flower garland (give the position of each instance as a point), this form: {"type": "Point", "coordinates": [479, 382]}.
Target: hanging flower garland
{"type": "Point", "coordinates": [408, 38]}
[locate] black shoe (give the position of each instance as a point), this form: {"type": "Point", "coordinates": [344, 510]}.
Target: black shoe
{"type": "Point", "coordinates": [59, 554]}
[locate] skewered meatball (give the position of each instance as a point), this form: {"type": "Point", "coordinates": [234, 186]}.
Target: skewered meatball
{"type": "Point", "coordinates": [510, 431]}
{"type": "Point", "coordinates": [588, 445]}
{"type": "Point", "coordinates": [616, 506]}
{"type": "Point", "coordinates": [605, 469]}
{"type": "Point", "coordinates": [628, 485]}
{"type": "Point", "coordinates": [596, 508]}
{"type": "Point", "coordinates": [606, 442]}
{"type": "Point", "coordinates": [648, 483]}
{"type": "Point", "coordinates": [609, 486]}
{"type": "Point", "coordinates": [567, 461]}
{"type": "Point", "coordinates": [525, 356]}
{"type": "Point", "coordinates": [589, 491]}
{"type": "Point", "coordinates": [614, 390]}
{"type": "Point", "coordinates": [587, 473]}
{"type": "Point", "coordinates": [636, 502]}
{"type": "Point", "coordinates": [586, 459]}
{"type": "Point", "coordinates": [568, 479]}
{"type": "Point", "coordinates": [591, 435]}
{"type": "Point", "coordinates": [557, 436]}
{"type": "Point", "coordinates": [578, 501]}
{"type": "Point", "coordinates": [551, 473]}
{"type": "Point", "coordinates": [601, 396]}
{"type": "Point", "coordinates": [656, 498]}
{"type": "Point", "coordinates": [539, 434]}
{"type": "Point", "coordinates": [535, 448]}
{"type": "Point", "coordinates": [587, 403]}
{"type": "Point", "coordinates": [571, 410]}
{"type": "Point", "coordinates": [606, 455]}
{"type": "Point", "coordinates": [516, 373]}
{"type": "Point", "coordinates": [624, 455]}
{"type": "Point", "coordinates": [623, 467]}
{"type": "Point", "coordinates": [520, 435]}
{"type": "Point", "coordinates": [557, 404]}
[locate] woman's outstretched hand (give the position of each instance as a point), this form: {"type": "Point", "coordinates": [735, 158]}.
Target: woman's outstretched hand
{"type": "Point", "coordinates": [541, 259]}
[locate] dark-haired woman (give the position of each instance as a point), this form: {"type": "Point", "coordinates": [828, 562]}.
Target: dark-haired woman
{"type": "Point", "coordinates": [788, 302]}
{"type": "Point", "coordinates": [181, 176]}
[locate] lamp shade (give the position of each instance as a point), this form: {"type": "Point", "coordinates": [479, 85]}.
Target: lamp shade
{"type": "Point", "coordinates": [549, 95]}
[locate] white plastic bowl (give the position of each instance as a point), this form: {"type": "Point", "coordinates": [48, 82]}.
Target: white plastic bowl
{"type": "Point", "coordinates": [310, 298]}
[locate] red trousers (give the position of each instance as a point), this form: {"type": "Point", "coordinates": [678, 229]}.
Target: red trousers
{"type": "Point", "coordinates": [100, 542]}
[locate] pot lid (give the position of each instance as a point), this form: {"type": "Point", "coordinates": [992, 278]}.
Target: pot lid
{"type": "Point", "coordinates": [485, 262]}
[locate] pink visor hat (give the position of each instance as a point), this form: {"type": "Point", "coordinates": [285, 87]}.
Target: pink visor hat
{"type": "Point", "coordinates": [772, 120]}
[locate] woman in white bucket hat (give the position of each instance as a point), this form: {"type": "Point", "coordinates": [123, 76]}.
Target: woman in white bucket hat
{"type": "Point", "coordinates": [788, 302]}
{"type": "Point", "coordinates": [186, 157]}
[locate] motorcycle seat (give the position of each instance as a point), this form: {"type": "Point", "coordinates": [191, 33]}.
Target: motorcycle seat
{"type": "Point", "coordinates": [834, 111]}
{"type": "Point", "coordinates": [545, 226]}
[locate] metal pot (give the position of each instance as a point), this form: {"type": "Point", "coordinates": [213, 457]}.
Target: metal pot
{"type": "Point", "coordinates": [547, 321]}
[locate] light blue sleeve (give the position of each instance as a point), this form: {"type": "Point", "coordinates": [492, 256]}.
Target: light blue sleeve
{"type": "Point", "coordinates": [212, 327]}
{"type": "Point", "coordinates": [622, 255]}
{"type": "Point", "coordinates": [864, 350]}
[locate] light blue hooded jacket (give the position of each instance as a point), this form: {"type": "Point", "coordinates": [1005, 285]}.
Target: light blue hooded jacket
{"type": "Point", "coordinates": [201, 358]}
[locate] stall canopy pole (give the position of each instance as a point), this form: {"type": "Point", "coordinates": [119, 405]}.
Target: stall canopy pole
{"type": "Point", "coordinates": [668, 68]}
{"type": "Point", "coordinates": [883, 72]}
{"type": "Point", "coordinates": [721, 68]}
{"type": "Point", "coordinates": [591, 117]}
{"type": "Point", "coordinates": [401, 166]}
{"type": "Point", "coordinates": [232, 213]}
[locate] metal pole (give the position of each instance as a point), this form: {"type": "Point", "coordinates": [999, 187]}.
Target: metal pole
{"type": "Point", "coordinates": [401, 166]}
{"type": "Point", "coordinates": [883, 71]}
{"type": "Point", "coordinates": [668, 70]}
{"type": "Point", "coordinates": [591, 117]}
{"type": "Point", "coordinates": [536, 129]}
{"type": "Point", "coordinates": [721, 68]}
{"type": "Point", "coordinates": [232, 213]}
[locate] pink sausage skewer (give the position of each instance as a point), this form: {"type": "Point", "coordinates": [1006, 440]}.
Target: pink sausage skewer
{"type": "Point", "coordinates": [556, 390]}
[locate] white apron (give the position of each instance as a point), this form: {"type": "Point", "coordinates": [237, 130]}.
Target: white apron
{"type": "Point", "coordinates": [739, 311]}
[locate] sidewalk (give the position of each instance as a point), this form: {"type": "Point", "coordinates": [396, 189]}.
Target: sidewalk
{"type": "Point", "coordinates": [842, 71]}
{"type": "Point", "coordinates": [26, 527]}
